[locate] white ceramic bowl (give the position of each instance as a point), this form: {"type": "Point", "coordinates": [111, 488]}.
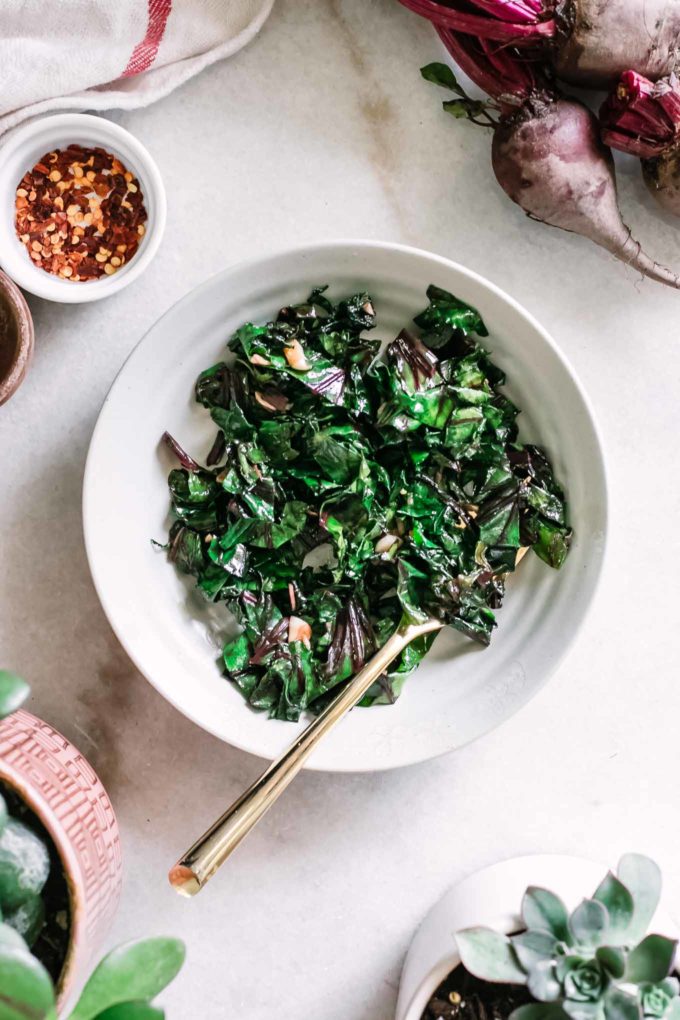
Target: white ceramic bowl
{"type": "Point", "coordinates": [492, 897]}
{"type": "Point", "coordinates": [461, 690]}
{"type": "Point", "coordinates": [23, 149]}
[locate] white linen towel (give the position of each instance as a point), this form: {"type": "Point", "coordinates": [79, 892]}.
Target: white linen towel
{"type": "Point", "coordinates": [100, 54]}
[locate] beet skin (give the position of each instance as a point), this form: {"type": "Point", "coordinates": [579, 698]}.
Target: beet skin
{"type": "Point", "coordinates": [550, 160]}
{"type": "Point", "coordinates": [589, 42]}
{"type": "Point", "coordinates": [599, 39]}
{"type": "Point", "coordinates": [662, 177]}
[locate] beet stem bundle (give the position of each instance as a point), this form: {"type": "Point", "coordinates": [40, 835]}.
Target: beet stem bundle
{"type": "Point", "coordinates": [509, 21]}
{"type": "Point", "coordinates": [502, 72]}
{"type": "Point", "coordinates": [640, 116]}
{"type": "Point", "coordinates": [643, 118]}
{"type": "Point", "coordinates": [588, 42]}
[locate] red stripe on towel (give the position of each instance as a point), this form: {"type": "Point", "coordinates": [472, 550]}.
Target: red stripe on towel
{"type": "Point", "coordinates": [145, 52]}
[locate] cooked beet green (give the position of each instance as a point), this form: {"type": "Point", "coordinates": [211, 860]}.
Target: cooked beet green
{"type": "Point", "coordinates": [347, 491]}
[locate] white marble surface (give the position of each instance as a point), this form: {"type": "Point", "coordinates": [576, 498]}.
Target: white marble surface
{"type": "Point", "coordinates": [323, 128]}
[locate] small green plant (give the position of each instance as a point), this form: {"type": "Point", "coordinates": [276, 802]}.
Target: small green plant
{"type": "Point", "coordinates": [123, 984]}
{"type": "Point", "coordinates": [120, 988]}
{"type": "Point", "coordinates": [597, 963]}
{"type": "Point", "coordinates": [13, 692]}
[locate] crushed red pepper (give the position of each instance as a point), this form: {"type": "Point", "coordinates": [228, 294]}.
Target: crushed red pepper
{"type": "Point", "coordinates": [80, 213]}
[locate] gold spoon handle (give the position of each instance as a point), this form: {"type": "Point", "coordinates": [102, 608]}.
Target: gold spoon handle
{"type": "Point", "coordinates": [201, 862]}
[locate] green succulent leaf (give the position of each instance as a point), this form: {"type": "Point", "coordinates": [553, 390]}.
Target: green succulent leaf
{"type": "Point", "coordinates": [134, 971]}
{"type": "Point", "coordinates": [658, 1000]}
{"type": "Point", "coordinates": [589, 923]}
{"type": "Point", "coordinates": [544, 911]}
{"type": "Point", "coordinates": [568, 961]}
{"type": "Point", "coordinates": [11, 939]}
{"type": "Point", "coordinates": [619, 1005]}
{"type": "Point", "coordinates": [651, 960]}
{"type": "Point", "coordinates": [28, 919]}
{"type": "Point", "coordinates": [26, 991]}
{"type": "Point", "coordinates": [583, 980]}
{"type": "Point", "coordinates": [13, 692]}
{"type": "Point", "coordinates": [132, 1011]}
{"type": "Point", "coordinates": [583, 1010]}
{"type": "Point", "coordinates": [542, 982]}
{"type": "Point", "coordinates": [617, 899]}
{"type": "Point", "coordinates": [613, 959]}
{"type": "Point", "coordinates": [489, 956]}
{"type": "Point", "coordinates": [532, 947]}
{"type": "Point", "coordinates": [538, 1011]}
{"type": "Point", "coordinates": [583, 965]}
{"type": "Point", "coordinates": [24, 864]}
{"type": "Point", "coordinates": [642, 878]}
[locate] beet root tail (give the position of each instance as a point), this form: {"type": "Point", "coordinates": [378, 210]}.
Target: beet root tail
{"type": "Point", "coordinates": [632, 254]}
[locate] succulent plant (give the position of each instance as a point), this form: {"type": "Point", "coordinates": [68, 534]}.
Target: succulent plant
{"type": "Point", "coordinates": [13, 692]}
{"type": "Point", "coordinates": [123, 984]}
{"type": "Point", "coordinates": [596, 963]}
{"type": "Point", "coordinates": [120, 988]}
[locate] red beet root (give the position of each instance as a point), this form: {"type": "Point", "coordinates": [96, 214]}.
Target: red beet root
{"type": "Point", "coordinates": [598, 40]}
{"type": "Point", "coordinates": [547, 152]}
{"type": "Point", "coordinates": [591, 42]}
{"type": "Point", "coordinates": [643, 118]}
{"type": "Point", "coordinates": [549, 159]}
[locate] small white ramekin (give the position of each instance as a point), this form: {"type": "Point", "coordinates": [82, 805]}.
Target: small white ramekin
{"type": "Point", "coordinates": [23, 149]}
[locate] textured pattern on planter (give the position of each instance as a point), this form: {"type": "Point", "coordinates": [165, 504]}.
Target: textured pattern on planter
{"type": "Point", "coordinates": [63, 789]}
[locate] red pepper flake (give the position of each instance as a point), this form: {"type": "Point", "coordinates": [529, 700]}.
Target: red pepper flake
{"type": "Point", "coordinates": [80, 213]}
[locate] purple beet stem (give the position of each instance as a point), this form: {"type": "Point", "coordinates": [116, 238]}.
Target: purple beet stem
{"type": "Point", "coordinates": [501, 71]}
{"type": "Point", "coordinates": [519, 22]}
{"type": "Point", "coordinates": [187, 462]}
{"type": "Point", "coordinates": [642, 117]}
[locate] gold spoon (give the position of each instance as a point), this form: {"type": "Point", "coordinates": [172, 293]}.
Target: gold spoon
{"type": "Point", "coordinates": [200, 863]}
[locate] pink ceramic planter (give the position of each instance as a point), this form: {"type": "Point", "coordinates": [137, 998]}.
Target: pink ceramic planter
{"type": "Point", "coordinates": [62, 789]}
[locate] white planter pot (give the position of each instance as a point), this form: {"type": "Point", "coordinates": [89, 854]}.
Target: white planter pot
{"type": "Point", "coordinates": [492, 897]}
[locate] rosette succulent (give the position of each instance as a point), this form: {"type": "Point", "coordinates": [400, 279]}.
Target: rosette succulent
{"type": "Point", "coordinates": [596, 963]}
